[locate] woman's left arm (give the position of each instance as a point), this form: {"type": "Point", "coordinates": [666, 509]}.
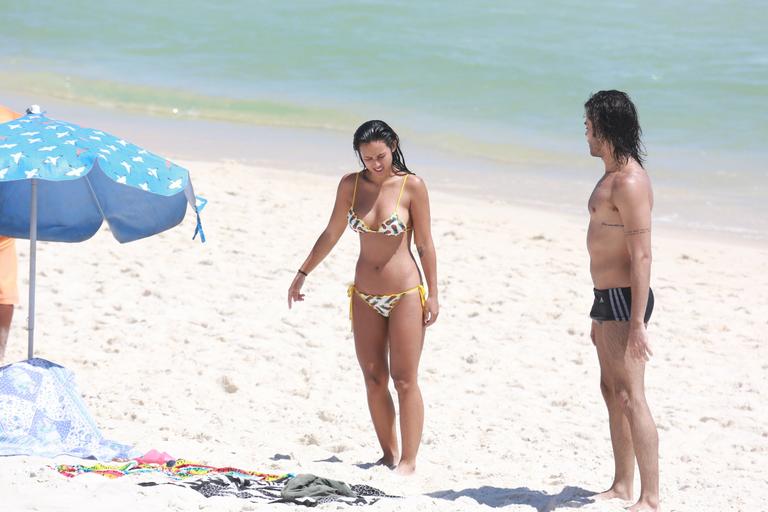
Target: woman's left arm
{"type": "Point", "coordinates": [422, 235]}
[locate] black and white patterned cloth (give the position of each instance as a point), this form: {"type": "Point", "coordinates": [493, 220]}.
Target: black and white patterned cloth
{"type": "Point", "coordinates": [253, 489]}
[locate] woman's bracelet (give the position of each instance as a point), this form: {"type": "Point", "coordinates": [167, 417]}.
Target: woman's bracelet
{"type": "Point", "coordinates": [303, 273]}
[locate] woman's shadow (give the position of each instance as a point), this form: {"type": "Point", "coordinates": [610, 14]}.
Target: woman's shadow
{"type": "Point", "coordinates": [569, 497]}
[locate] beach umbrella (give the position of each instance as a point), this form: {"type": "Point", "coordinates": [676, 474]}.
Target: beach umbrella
{"type": "Point", "coordinates": [59, 182]}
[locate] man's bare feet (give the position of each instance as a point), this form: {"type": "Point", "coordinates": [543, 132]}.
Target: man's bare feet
{"type": "Point", "coordinates": [405, 468]}
{"type": "Point", "coordinates": [614, 493]}
{"type": "Point", "coordinates": [645, 505]}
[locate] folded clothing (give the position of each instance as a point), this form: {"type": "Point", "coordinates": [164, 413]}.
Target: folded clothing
{"type": "Point", "coordinates": [306, 485]}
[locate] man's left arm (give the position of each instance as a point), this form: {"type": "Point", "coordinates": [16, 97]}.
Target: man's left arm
{"type": "Point", "coordinates": [632, 197]}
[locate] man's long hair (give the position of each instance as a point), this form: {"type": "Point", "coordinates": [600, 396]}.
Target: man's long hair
{"type": "Point", "coordinates": [614, 119]}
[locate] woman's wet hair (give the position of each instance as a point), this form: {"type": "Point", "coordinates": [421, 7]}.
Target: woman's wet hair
{"type": "Point", "coordinates": [379, 131]}
{"type": "Point", "coordinates": [614, 119]}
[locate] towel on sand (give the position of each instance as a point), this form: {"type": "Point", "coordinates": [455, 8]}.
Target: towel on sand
{"type": "Point", "coordinates": [41, 413]}
{"type": "Point", "coordinates": [210, 481]}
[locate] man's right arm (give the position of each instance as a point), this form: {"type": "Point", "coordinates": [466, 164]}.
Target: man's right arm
{"type": "Point", "coordinates": [632, 198]}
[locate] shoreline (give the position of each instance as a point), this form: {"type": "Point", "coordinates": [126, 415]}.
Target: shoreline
{"type": "Point", "coordinates": [328, 152]}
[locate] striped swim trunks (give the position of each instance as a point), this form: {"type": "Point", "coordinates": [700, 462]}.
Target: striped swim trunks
{"type": "Point", "coordinates": [616, 304]}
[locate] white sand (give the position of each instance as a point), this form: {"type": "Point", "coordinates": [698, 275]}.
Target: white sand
{"type": "Point", "coordinates": [191, 349]}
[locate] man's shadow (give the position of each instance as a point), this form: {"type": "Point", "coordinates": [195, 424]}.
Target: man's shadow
{"type": "Point", "coordinates": [569, 497]}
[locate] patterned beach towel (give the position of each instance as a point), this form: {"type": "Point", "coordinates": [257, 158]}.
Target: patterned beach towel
{"type": "Point", "coordinates": [226, 481]}
{"type": "Point", "coordinates": [41, 413]}
{"type": "Point", "coordinates": [234, 485]}
{"type": "Point", "coordinates": [255, 490]}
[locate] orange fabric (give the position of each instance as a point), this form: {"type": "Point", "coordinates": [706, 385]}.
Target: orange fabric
{"type": "Point", "coordinates": [7, 114]}
{"type": "Point", "coordinates": [9, 291]}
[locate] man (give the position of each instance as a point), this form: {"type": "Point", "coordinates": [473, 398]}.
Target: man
{"type": "Point", "coordinates": [619, 245]}
{"type": "Point", "coordinates": [9, 294]}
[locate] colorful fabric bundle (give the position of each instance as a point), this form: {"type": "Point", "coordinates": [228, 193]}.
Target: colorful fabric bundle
{"type": "Point", "coordinates": [176, 469]}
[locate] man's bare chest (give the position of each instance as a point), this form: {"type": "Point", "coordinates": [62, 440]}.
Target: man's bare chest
{"type": "Point", "coordinates": [600, 205]}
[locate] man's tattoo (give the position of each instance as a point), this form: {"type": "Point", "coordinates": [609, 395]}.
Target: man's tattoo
{"type": "Point", "coordinates": [640, 231]}
{"type": "Point", "coordinates": [613, 225]}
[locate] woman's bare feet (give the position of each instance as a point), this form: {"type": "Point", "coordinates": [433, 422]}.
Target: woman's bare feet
{"type": "Point", "coordinates": [388, 461]}
{"type": "Point", "coordinates": [645, 505]}
{"type": "Point", "coordinates": [614, 493]}
{"type": "Point", "coordinates": [406, 468]}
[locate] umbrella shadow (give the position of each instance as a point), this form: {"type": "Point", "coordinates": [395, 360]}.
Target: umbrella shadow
{"type": "Point", "coordinates": [495, 497]}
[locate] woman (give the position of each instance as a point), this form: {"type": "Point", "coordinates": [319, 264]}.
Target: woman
{"type": "Point", "coordinates": [389, 307]}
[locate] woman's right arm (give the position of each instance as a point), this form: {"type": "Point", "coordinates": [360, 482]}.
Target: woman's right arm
{"type": "Point", "coordinates": [327, 239]}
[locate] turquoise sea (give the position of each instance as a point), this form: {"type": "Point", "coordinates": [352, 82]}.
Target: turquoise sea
{"type": "Point", "coordinates": [499, 80]}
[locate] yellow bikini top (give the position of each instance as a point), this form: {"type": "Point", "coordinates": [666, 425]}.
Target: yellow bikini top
{"type": "Point", "coordinates": [392, 226]}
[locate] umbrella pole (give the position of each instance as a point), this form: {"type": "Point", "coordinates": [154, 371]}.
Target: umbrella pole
{"type": "Point", "coordinates": [32, 258]}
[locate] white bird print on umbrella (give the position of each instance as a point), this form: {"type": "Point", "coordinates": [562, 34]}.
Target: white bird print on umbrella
{"type": "Point", "coordinates": [76, 171]}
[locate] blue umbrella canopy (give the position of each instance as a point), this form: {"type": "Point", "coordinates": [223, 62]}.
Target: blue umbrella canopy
{"type": "Point", "coordinates": [83, 177]}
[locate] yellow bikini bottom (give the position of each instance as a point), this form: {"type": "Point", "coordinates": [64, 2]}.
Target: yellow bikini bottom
{"type": "Point", "coordinates": [383, 304]}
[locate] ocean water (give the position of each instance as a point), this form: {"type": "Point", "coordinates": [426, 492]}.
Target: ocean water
{"type": "Point", "coordinates": [502, 80]}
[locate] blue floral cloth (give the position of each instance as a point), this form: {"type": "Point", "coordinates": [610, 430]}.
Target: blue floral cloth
{"type": "Point", "coordinates": [42, 414]}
